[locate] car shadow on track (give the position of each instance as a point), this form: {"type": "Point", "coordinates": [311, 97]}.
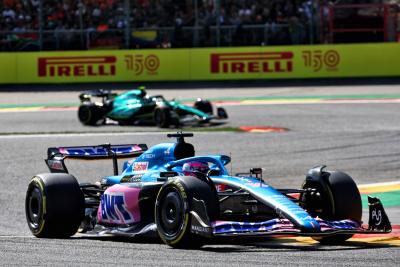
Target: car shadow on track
{"type": "Point", "coordinates": [150, 124]}
{"type": "Point", "coordinates": [233, 246]}
{"type": "Point", "coordinates": [292, 245]}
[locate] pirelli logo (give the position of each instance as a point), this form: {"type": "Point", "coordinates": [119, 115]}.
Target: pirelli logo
{"type": "Point", "coordinates": [77, 66]}
{"type": "Point", "coordinates": [253, 62]}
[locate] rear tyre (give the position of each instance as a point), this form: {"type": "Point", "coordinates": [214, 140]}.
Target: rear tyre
{"type": "Point", "coordinates": [162, 117]}
{"type": "Point", "coordinates": [54, 205]}
{"type": "Point", "coordinates": [204, 106]}
{"type": "Point", "coordinates": [90, 114]}
{"type": "Point", "coordinates": [172, 210]}
{"type": "Point", "coordinates": [336, 197]}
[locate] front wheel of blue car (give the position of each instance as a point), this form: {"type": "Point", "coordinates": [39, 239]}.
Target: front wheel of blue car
{"type": "Point", "coordinates": [174, 204]}
{"type": "Point", "coordinates": [332, 195]}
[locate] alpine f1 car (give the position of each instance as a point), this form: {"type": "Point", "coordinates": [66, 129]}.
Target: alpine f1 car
{"type": "Point", "coordinates": [136, 107]}
{"type": "Point", "coordinates": [188, 200]}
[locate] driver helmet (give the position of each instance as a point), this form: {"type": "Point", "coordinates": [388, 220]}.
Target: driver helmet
{"type": "Point", "coordinates": [142, 91]}
{"type": "Point", "coordinates": [191, 168]}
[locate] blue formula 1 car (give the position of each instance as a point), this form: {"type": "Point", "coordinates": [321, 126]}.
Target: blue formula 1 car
{"type": "Point", "coordinates": [135, 107]}
{"type": "Point", "coordinates": [189, 200]}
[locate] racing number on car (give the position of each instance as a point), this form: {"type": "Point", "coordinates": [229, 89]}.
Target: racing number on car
{"type": "Point", "coordinates": [113, 209]}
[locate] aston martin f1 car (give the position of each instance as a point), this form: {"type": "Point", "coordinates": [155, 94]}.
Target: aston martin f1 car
{"type": "Point", "coordinates": [189, 200]}
{"type": "Point", "coordinates": [136, 107]}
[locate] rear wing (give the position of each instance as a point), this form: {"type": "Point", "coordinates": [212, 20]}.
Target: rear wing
{"type": "Point", "coordinates": [57, 155]}
{"type": "Point", "coordinates": [105, 94]}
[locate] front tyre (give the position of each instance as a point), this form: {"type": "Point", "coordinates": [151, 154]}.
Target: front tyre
{"type": "Point", "coordinates": [172, 216]}
{"type": "Point", "coordinates": [173, 208]}
{"type": "Point", "coordinates": [335, 197]}
{"type": "Point", "coordinates": [54, 205]}
{"type": "Point", "coordinates": [221, 113]}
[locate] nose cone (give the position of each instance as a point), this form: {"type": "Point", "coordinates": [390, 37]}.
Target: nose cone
{"type": "Point", "coordinates": [310, 225]}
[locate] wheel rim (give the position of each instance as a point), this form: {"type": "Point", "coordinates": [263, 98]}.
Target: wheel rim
{"type": "Point", "coordinates": [34, 212]}
{"type": "Point", "coordinates": [318, 203]}
{"type": "Point", "coordinates": [171, 213]}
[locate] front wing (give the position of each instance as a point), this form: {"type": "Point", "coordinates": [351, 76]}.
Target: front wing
{"type": "Point", "coordinates": [285, 227]}
{"type": "Point", "coordinates": [378, 223]}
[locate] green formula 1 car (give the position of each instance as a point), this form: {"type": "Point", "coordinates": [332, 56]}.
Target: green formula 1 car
{"type": "Point", "coordinates": [135, 107]}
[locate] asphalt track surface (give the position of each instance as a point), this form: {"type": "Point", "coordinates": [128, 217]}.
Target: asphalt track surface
{"type": "Point", "coordinates": [360, 139]}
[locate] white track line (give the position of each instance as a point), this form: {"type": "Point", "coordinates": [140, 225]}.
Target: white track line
{"type": "Point", "coordinates": [379, 184]}
{"type": "Point", "coordinates": [21, 136]}
{"type": "Point", "coordinates": [16, 236]}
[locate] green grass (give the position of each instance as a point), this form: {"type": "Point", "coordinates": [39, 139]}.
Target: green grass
{"type": "Point", "coordinates": [388, 199]}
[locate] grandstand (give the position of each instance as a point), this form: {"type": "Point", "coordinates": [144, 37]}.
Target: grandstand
{"type": "Point", "coordinates": [32, 25]}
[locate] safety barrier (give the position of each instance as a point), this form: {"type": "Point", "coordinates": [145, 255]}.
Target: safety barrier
{"type": "Point", "coordinates": [269, 62]}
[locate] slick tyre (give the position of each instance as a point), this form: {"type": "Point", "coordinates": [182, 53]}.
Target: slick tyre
{"type": "Point", "coordinates": [162, 117]}
{"type": "Point", "coordinates": [204, 106]}
{"type": "Point", "coordinates": [173, 206]}
{"type": "Point", "coordinates": [221, 113]}
{"type": "Point", "coordinates": [54, 205]}
{"type": "Point", "coordinates": [90, 114]}
{"type": "Point", "coordinates": [337, 198]}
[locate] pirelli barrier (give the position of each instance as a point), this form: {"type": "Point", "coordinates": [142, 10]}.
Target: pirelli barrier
{"type": "Point", "coordinates": [279, 62]}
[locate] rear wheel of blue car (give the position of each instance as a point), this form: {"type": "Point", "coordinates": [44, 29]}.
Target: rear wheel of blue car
{"type": "Point", "coordinates": [174, 204]}
{"type": "Point", "coordinates": [54, 205]}
{"type": "Point", "coordinates": [332, 196]}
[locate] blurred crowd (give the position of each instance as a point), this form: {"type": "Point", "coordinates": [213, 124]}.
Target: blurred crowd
{"type": "Point", "coordinates": [279, 21]}
{"type": "Point", "coordinates": [17, 15]}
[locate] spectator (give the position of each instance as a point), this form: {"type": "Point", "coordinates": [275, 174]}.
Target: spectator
{"type": "Point", "coordinates": [234, 15]}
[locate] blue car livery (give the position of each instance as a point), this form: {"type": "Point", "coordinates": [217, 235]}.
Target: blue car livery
{"type": "Point", "coordinates": [156, 193]}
